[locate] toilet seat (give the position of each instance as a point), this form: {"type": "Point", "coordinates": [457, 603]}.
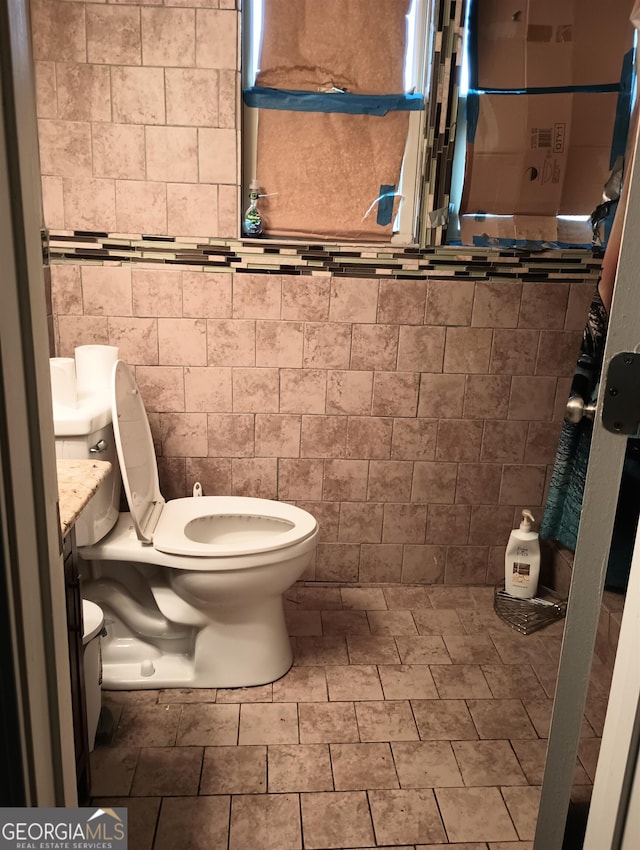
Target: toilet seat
{"type": "Point", "coordinates": [211, 526]}
{"type": "Point", "coordinates": [136, 452]}
{"type": "Point", "coordinates": [207, 526]}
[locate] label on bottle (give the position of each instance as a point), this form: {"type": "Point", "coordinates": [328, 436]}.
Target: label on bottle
{"type": "Point", "coordinates": [521, 572]}
{"type": "Point", "coordinates": [252, 228]}
{"type": "Point", "coordinates": [252, 221]}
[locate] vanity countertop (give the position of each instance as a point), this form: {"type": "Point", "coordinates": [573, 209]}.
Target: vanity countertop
{"type": "Point", "coordinates": [78, 480]}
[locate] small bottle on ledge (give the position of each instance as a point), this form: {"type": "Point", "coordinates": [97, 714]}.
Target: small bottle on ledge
{"type": "Point", "coordinates": [252, 221]}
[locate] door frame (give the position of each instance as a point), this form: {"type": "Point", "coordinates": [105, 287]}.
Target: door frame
{"type": "Point", "coordinates": [602, 485]}
{"type": "Point", "coordinates": [29, 523]}
{"type": "Point", "coordinates": [612, 816]}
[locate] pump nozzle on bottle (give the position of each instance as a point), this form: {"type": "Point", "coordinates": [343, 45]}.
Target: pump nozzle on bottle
{"type": "Point", "coordinates": [527, 520]}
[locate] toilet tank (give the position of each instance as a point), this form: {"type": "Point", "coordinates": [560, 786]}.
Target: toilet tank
{"type": "Point", "coordinates": [85, 432]}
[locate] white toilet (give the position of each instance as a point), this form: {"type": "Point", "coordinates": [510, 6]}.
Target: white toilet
{"type": "Point", "coordinates": [93, 621]}
{"type": "Point", "coordinates": [191, 589]}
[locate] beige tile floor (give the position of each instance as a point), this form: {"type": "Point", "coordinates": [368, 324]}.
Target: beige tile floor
{"type": "Point", "coordinates": [413, 717]}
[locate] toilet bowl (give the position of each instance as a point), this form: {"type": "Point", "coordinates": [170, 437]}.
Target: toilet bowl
{"type": "Point", "coordinates": [191, 589]}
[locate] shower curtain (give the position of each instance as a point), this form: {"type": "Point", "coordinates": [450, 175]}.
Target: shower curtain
{"type": "Point", "coordinates": [564, 502]}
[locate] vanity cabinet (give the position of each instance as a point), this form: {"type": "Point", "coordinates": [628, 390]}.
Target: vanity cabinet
{"type": "Point", "coordinates": [76, 665]}
{"type": "Point", "coordinates": [78, 481]}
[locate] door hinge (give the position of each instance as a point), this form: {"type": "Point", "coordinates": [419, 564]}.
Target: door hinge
{"type": "Point", "coordinates": [621, 400]}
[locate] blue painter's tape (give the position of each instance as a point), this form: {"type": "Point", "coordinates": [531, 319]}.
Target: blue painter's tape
{"type": "Point", "coordinates": [623, 108]}
{"type": "Point", "coordinates": [473, 113]}
{"type": "Point", "coordinates": [599, 88]}
{"type": "Point", "coordinates": [621, 128]}
{"type": "Point", "coordinates": [345, 102]}
{"type": "Point", "coordinates": [385, 204]}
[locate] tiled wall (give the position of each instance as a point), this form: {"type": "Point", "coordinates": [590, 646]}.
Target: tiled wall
{"type": "Point", "coordinates": [412, 417]}
{"type": "Point", "coordinates": [137, 109]}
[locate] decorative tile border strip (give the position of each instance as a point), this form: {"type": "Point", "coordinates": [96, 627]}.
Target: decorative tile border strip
{"type": "Point", "coordinates": [440, 130]}
{"type": "Point", "coordinates": [267, 257]}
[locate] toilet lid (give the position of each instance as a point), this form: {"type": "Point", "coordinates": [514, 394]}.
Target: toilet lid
{"type": "Point", "coordinates": [135, 452]}
{"type": "Point", "coordinates": [92, 619]}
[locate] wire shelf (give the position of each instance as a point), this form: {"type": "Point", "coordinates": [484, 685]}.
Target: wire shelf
{"type": "Point", "coordinates": [529, 615]}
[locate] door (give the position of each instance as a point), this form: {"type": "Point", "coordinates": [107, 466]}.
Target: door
{"type": "Point", "coordinates": [592, 551]}
{"type": "Point", "coordinates": [614, 821]}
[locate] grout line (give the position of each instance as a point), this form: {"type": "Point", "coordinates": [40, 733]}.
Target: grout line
{"type": "Point", "coordinates": [204, 748]}
{"type": "Point", "coordinates": [157, 822]}
{"type": "Point", "coordinates": [437, 802]}
{"type": "Point", "coordinates": [302, 841]}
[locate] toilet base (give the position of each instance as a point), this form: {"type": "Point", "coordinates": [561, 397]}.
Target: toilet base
{"type": "Point", "coordinates": [176, 671]}
{"type": "Point", "coordinates": [244, 647]}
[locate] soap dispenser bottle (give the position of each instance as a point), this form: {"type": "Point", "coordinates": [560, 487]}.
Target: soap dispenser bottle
{"type": "Point", "coordinates": [252, 221]}
{"type": "Point", "coordinates": [522, 560]}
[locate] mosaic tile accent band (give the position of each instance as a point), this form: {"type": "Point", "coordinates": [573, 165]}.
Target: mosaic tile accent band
{"type": "Point", "coordinates": [269, 257]}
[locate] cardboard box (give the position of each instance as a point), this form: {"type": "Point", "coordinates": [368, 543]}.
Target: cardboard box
{"type": "Point", "coordinates": [531, 43]}
{"type": "Point", "coordinates": [539, 155]}
{"type": "Point", "coordinates": [480, 230]}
